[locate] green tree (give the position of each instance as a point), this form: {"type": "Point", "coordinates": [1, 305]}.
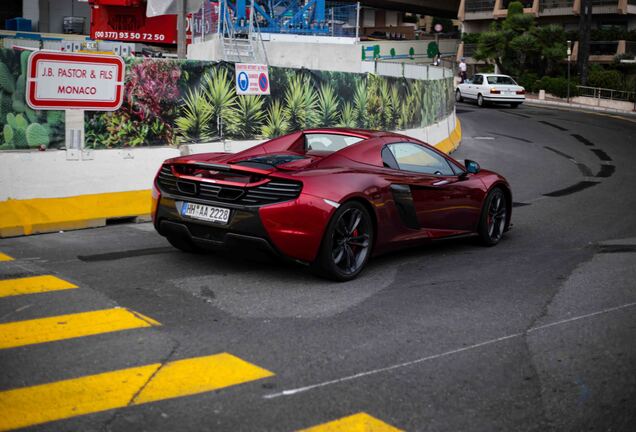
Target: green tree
{"type": "Point", "coordinates": [518, 47]}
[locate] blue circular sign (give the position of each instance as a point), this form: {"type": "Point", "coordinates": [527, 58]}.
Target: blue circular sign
{"type": "Point", "coordinates": [263, 83]}
{"type": "Point", "coordinates": [243, 81]}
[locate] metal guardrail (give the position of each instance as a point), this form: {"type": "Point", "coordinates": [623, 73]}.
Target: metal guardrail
{"type": "Point", "coordinates": [603, 93]}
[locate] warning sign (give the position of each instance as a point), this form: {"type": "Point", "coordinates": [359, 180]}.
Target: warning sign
{"type": "Point", "coordinates": [252, 79]}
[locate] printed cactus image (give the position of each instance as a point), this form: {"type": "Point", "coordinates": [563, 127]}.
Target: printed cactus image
{"type": "Point", "coordinates": [23, 127]}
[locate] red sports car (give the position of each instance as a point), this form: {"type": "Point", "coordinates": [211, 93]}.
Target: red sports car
{"type": "Point", "coordinates": [329, 198]}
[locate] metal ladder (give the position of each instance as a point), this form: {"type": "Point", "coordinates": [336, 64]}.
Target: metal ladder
{"type": "Point", "coordinates": [245, 47]}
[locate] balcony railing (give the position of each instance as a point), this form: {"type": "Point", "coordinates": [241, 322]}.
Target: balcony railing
{"type": "Point", "coordinates": [525, 3]}
{"type": "Point", "coordinates": [556, 4]}
{"type": "Point", "coordinates": [603, 48]}
{"type": "Point", "coordinates": [480, 5]}
{"type": "Point", "coordinates": [604, 3]}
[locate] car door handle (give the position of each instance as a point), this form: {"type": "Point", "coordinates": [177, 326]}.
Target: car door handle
{"type": "Point", "coordinates": [440, 182]}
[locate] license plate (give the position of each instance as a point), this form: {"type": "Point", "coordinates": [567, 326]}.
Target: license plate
{"type": "Point", "coordinates": [510, 93]}
{"type": "Point", "coordinates": [205, 212]}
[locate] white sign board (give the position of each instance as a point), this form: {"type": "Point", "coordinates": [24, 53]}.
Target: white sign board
{"type": "Point", "coordinates": [75, 81]}
{"type": "Point", "coordinates": [252, 79]}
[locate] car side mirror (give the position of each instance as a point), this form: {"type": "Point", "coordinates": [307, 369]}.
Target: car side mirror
{"type": "Point", "coordinates": [472, 167]}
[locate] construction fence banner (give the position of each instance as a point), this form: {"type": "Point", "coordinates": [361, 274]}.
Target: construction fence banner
{"type": "Point", "coordinates": [172, 102]}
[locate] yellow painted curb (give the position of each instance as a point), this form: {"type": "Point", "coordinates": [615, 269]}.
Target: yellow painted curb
{"type": "Point", "coordinates": [39, 215]}
{"type": "Point", "coordinates": [451, 143]}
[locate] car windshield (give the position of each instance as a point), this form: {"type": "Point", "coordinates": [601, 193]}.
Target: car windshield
{"type": "Point", "coordinates": [325, 142]}
{"type": "Point", "coordinates": [501, 79]}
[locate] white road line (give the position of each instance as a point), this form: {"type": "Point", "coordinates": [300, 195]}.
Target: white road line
{"type": "Point", "coordinates": [576, 318]}
{"type": "Point", "coordinates": [291, 392]}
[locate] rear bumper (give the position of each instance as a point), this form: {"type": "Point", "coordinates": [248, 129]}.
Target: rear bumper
{"type": "Point", "coordinates": [504, 99]}
{"type": "Point", "coordinates": [291, 229]}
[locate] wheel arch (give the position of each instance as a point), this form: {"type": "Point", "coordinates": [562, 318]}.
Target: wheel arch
{"type": "Point", "coordinates": [374, 217]}
{"type": "Point", "coordinates": [508, 194]}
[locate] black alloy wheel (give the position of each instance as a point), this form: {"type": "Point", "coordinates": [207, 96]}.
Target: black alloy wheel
{"type": "Point", "coordinates": [346, 247]}
{"type": "Point", "coordinates": [494, 218]}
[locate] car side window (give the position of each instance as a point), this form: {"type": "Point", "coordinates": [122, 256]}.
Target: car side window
{"type": "Point", "coordinates": [415, 158]}
{"type": "Point", "coordinates": [478, 79]}
{"type": "Point", "coordinates": [388, 159]}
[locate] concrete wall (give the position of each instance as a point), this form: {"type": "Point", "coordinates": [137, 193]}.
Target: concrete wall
{"type": "Point", "coordinates": [30, 174]}
{"type": "Point", "coordinates": [319, 52]}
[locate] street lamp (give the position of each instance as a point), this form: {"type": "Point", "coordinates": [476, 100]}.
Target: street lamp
{"type": "Point", "coordinates": [569, 56]}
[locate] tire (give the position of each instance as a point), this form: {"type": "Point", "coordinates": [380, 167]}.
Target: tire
{"type": "Point", "coordinates": [347, 243]}
{"type": "Point", "coordinates": [480, 101]}
{"type": "Point", "coordinates": [458, 96]}
{"type": "Point", "coordinates": [515, 105]}
{"type": "Point", "coordinates": [494, 217]}
{"type": "Point", "coordinates": [183, 244]}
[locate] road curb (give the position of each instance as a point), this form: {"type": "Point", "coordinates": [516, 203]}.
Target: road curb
{"type": "Point", "coordinates": [450, 144]}
{"type": "Point", "coordinates": [41, 215]}
{"type": "Point", "coordinates": [578, 107]}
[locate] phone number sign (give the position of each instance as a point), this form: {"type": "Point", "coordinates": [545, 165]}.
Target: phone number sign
{"type": "Point", "coordinates": [130, 24]}
{"type": "Point", "coordinates": [252, 79]}
{"type": "Point", "coordinates": [91, 82]}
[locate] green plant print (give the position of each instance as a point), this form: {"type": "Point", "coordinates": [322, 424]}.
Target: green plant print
{"type": "Point", "coordinates": [300, 103]}
{"type": "Point", "coordinates": [276, 123]}
{"type": "Point", "coordinates": [347, 116]}
{"type": "Point", "coordinates": [248, 117]}
{"type": "Point", "coordinates": [196, 119]}
{"type": "Point", "coordinates": [327, 106]}
{"type": "Point", "coordinates": [220, 93]}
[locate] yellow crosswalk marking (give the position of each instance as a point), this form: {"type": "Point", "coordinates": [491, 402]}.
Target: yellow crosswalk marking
{"type": "Point", "coordinates": [360, 422]}
{"type": "Point", "coordinates": [90, 394]}
{"type": "Point", "coordinates": [33, 285]}
{"type": "Point", "coordinates": [5, 257]}
{"type": "Point", "coordinates": [20, 333]}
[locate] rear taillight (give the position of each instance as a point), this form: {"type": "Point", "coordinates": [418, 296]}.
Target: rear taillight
{"type": "Point", "coordinates": [495, 91]}
{"type": "Point", "coordinates": [156, 196]}
{"type": "Point", "coordinates": [521, 92]}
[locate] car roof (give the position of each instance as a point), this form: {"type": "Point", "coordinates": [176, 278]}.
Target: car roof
{"type": "Point", "coordinates": [493, 74]}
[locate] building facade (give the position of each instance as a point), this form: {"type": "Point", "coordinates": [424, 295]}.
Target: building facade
{"type": "Point", "coordinates": [476, 16]}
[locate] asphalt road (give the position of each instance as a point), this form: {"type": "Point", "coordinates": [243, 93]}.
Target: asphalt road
{"type": "Point", "coordinates": [538, 333]}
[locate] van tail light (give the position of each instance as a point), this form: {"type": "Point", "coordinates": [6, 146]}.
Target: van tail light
{"type": "Point", "coordinates": [521, 92]}
{"type": "Point", "coordinates": [495, 91]}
